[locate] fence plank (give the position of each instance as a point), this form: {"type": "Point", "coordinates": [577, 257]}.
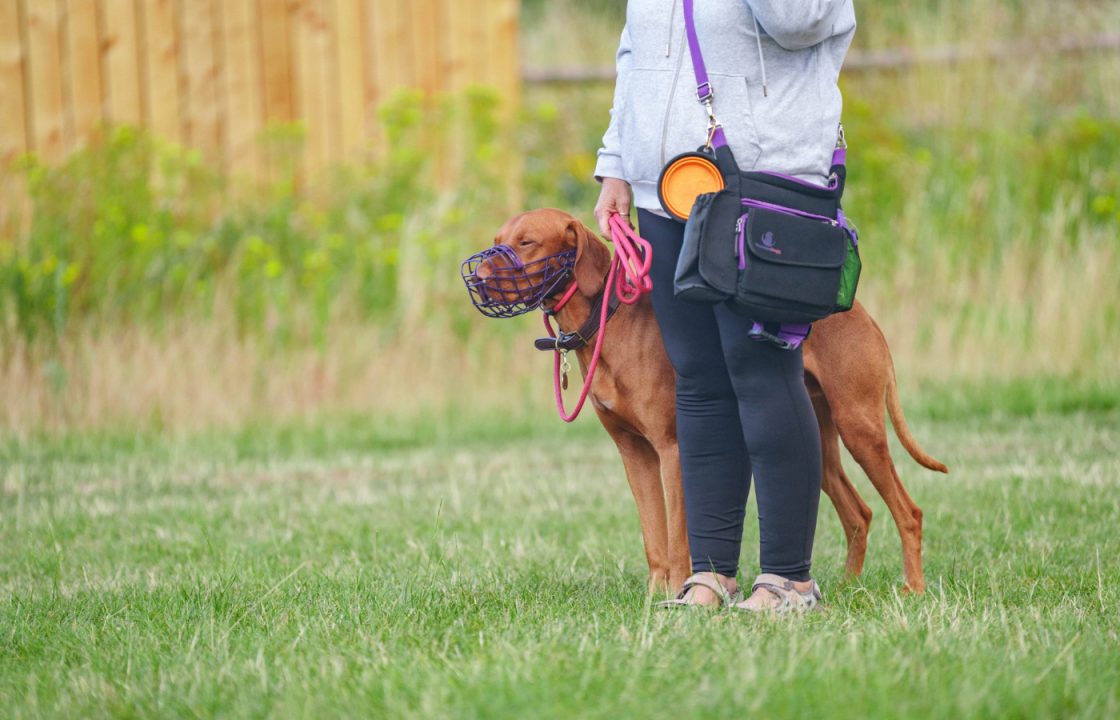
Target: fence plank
{"type": "Point", "coordinates": [13, 129]}
{"type": "Point", "coordinates": [243, 87]}
{"type": "Point", "coordinates": [201, 77]}
{"type": "Point", "coordinates": [385, 38]}
{"type": "Point", "coordinates": [377, 61]}
{"type": "Point", "coordinates": [453, 61]}
{"type": "Point", "coordinates": [506, 53]}
{"type": "Point", "coordinates": [475, 30]}
{"type": "Point", "coordinates": [317, 103]}
{"type": "Point", "coordinates": [161, 61]}
{"type": "Point", "coordinates": [82, 72]}
{"type": "Point", "coordinates": [120, 44]}
{"type": "Point", "coordinates": [423, 38]}
{"type": "Point", "coordinates": [44, 52]}
{"type": "Point", "coordinates": [351, 77]}
{"type": "Point", "coordinates": [276, 61]}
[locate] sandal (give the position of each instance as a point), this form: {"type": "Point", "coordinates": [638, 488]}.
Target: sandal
{"type": "Point", "coordinates": [705, 580]}
{"type": "Point", "coordinates": [790, 599]}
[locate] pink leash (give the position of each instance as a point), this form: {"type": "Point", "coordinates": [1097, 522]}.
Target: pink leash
{"type": "Point", "coordinates": [628, 276]}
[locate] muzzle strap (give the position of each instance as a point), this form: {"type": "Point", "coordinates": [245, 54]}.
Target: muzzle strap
{"type": "Point", "coordinates": [582, 337]}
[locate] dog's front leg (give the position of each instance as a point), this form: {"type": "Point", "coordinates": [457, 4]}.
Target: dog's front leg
{"type": "Point", "coordinates": [680, 559]}
{"type": "Point", "coordinates": [643, 472]}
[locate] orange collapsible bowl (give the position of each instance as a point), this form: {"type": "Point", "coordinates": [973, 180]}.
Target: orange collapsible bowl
{"type": "Point", "coordinates": [685, 177]}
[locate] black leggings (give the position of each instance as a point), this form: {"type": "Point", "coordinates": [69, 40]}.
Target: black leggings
{"type": "Point", "coordinates": [742, 406]}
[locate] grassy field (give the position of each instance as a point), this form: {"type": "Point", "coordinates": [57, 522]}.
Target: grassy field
{"type": "Point", "coordinates": [322, 572]}
{"type": "Point", "coordinates": [260, 457]}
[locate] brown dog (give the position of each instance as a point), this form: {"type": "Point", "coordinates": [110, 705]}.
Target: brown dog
{"type": "Point", "coordinates": [848, 371]}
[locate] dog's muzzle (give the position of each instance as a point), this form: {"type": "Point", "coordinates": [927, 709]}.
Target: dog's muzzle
{"type": "Point", "coordinates": [512, 288]}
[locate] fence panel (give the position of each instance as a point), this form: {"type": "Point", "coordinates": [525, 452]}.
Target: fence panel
{"type": "Point", "coordinates": [84, 93]}
{"type": "Point", "coordinates": [121, 42]}
{"type": "Point", "coordinates": [212, 74]}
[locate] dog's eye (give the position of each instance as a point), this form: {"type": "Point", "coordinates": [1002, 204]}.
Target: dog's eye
{"type": "Point", "coordinates": [527, 242]}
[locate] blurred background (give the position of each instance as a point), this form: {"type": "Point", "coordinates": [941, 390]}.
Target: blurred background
{"type": "Point", "coordinates": [238, 212]}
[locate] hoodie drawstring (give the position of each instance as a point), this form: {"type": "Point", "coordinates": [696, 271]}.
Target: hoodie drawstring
{"type": "Point", "coordinates": [761, 59]}
{"type": "Point", "coordinates": [672, 15]}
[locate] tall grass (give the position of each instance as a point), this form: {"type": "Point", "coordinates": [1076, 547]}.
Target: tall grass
{"type": "Point", "coordinates": [138, 288]}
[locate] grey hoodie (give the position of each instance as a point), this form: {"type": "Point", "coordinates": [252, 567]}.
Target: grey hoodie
{"type": "Point", "coordinates": [789, 128]}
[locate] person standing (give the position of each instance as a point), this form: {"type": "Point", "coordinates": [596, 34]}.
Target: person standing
{"type": "Point", "coordinates": [742, 406]}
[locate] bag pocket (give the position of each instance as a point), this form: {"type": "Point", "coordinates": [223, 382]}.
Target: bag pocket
{"type": "Point", "coordinates": [706, 267]}
{"type": "Point", "coordinates": [791, 266]}
{"type": "Point", "coordinates": [849, 276]}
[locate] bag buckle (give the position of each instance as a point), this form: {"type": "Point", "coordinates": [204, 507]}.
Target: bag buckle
{"type": "Point", "coordinates": [759, 334]}
{"type": "Point", "coordinates": [705, 92]}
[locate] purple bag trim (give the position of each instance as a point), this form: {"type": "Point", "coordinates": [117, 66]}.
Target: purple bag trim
{"type": "Point", "coordinates": [831, 183]}
{"type": "Point", "coordinates": [762, 205]}
{"type": "Point", "coordinates": [703, 87]}
{"type": "Point", "coordinates": [789, 335]}
{"type": "Point", "coordinates": [513, 288]}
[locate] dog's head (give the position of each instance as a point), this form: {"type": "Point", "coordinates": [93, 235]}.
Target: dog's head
{"type": "Point", "coordinates": [534, 259]}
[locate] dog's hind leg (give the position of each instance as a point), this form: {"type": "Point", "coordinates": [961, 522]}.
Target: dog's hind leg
{"type": "Point", "coordinates": [643, 472]}
{"type": "Point", "coordinates": [864, 433]}
{"type": "Point", "coordinates": [854, 514]}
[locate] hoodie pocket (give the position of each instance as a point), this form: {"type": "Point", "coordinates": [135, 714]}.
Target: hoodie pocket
{"type": "Point", "coordinates": [646, 109]}
{"type": "Point", "coordinates": [735, 111]}
{"type": "Point", "coordinates": [662, 119]}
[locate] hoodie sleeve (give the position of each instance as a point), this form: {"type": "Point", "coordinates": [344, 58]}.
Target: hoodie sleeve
{"type": "Point", "coordinates": [609, 163]}
{"type": "Point", "coordinates": [797, 24]}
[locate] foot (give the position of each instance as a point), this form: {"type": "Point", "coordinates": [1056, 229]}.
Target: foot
{"type": "Point", "coordinates": [703, 590]}
{"type": "Point", "coordinates": [773, 593]}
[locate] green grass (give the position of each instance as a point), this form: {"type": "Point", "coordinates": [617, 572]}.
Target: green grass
{"type": "Point", "coordinates": [314, 572]}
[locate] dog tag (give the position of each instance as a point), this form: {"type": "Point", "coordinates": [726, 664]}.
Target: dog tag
{"type": "Point", "coordinates": [564, 368]}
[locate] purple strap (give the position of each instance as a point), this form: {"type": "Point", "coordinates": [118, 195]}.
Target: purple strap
{"type": "Point", "coordinates": [704, 91]}
{"type": "Point", "coordinates": [703, 87]}
{"type": "Point", "coordinates": [789, 335]}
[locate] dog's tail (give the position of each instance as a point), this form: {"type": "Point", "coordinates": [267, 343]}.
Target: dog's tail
{"type": "Point", "coordinates": [898, 420]}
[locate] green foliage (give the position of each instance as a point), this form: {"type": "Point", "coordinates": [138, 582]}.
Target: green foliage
{"type": "Point", "coordinates": [134, 231]}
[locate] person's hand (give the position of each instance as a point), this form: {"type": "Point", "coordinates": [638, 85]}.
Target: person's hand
{"type": "Point", "coordinates": [613, 198]}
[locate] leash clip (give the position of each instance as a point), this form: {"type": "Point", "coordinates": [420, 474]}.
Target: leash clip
{"type": "Point", "coordinates": [713, 123]}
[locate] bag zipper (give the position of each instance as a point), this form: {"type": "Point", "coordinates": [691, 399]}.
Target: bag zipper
{"type": "Point", "coordinates": [762, 205]}
{"type": "Point", "coordinates": [740, 234]}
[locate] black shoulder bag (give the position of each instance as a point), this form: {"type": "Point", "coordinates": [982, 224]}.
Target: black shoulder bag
{"type": "Point", "coordinates": [778, 249]}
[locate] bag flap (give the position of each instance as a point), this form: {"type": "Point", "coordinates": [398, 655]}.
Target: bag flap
{"type": "Point", "coordinates": [783, 239]}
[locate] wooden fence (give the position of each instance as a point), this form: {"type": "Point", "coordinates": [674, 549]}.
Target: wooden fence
{"type": "Point", "coordinates": [211, 74]}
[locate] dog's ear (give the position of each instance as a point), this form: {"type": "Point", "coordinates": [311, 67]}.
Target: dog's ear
{"type": "Point", "coordinates": [592, 258]}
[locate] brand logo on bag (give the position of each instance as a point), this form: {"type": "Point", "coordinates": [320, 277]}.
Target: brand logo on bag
{"type": "Point", "coordinates": [768, 243]}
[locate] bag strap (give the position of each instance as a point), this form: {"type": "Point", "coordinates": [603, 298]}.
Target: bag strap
{"type": "Point", "coordinates": [705, 94]}
{"type": "Point", "coordinates": [704, 91]}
